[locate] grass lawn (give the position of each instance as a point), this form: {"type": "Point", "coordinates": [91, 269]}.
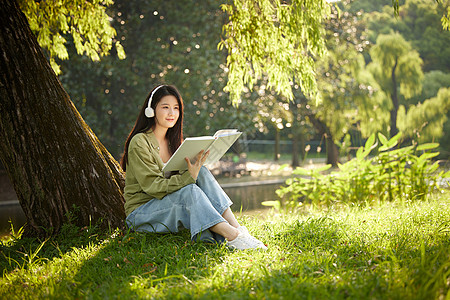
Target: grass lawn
{"type": "Point", "coordinates": [398, 250]}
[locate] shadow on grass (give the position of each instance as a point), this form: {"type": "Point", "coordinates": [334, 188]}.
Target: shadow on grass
{"type": "Point", "coordinates": [21, 252]}
{"type": "Point", "coordinates": [104, 265]}
{"type": "Point", "coordinates": [316, 258]}
{"type": "Point", "coordinates": [138, 262]}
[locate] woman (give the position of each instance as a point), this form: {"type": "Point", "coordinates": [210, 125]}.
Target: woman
{"type": "Point", "coordinates": [192, 199]}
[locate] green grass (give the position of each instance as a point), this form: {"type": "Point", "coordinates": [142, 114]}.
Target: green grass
{"type": "Point", "coordinates": [391, 250]}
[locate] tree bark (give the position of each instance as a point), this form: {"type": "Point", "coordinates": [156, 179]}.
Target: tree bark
{"type": "Point", "coordinates": [276, 156]}
{"type": "Point", "coordinates": [295, 150]}
{"type": "Point", "coordinates": [394, 97]}
{"type": "Point", "coordinates": [296, 134]}
{"type": "Point", "coordinates": [332, 149]}
{"type": "Point", "coordinates": [59, 169]}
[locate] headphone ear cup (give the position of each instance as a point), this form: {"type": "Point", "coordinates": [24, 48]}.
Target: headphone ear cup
{"type": "Point", "coordinates": [149, 112]}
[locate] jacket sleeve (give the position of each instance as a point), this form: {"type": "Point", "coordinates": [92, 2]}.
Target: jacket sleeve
{"type": "Point", "coordinates": [150, 177]}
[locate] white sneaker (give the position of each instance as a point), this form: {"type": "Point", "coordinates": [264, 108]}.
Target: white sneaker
{"type": "Point", "coordinates": [243, 229]}
{"type": "Point", "coordinates": [245, 241]}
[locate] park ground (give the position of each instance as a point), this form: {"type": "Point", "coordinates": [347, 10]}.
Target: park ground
{"type": "Point", "coordinates": [388, 250]}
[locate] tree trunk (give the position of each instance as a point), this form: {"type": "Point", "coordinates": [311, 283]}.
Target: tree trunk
{"type": "Point", "coordinates": [296, 134]}
{"type": "Point", "coordinates": [295, 151]}
{"type": "Point", "coordinates": [60, 170]}
{"type": "Point", "coordinates": [332, 149]}
{"type": "Point", "coordinates": [394, 97]}
{"type": "Point", "coordinates": [277, 144]}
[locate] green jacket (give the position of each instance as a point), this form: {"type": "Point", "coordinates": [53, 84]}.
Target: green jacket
{"type": "Point", "coordinates": [144, 179]}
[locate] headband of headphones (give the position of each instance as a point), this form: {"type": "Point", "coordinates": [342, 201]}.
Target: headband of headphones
{"type": "Point", "coordinates": [149, 112]}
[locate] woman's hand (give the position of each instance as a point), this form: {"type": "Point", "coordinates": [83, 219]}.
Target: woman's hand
{"type": "Point", "coordinates": [194, 168]}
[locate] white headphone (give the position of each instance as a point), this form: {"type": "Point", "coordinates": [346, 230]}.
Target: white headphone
{"type": "Point", "coordinates": [150, 112]}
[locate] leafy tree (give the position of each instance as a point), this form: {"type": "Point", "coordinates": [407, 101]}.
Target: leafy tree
{"type": "Point", "coordinates": [271, 110]}
{"type": "Point", "coordinates": [164, 45]}
{"type": "Point", "coordinates": [59, 169]}
{"type": "Point", "coordinates": [260, 43]}
{"type": "Point", "coordinates": [431, 83]}
{"type": "Point", "coordinates": [444, 20]}
{"type": "Point", "coordinates": [85, 21]}
{"type": "Point", "coordinates": [371, 103]}
{"type": "Point", "coordinates": [394, 64]}
{"type": "Point", "coordinates": [276, 38]}
{"type": "Point", "coordinates": [338, 80]}
{"type": "Point", "coordinates": [419, 23]}
{"type": "Point", "coordinates": [424, 121]}
{"type": "Point", "coordinates": [368, 5]}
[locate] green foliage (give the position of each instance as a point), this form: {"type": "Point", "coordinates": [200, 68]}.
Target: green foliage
{"type": "Point", "coordinates": [275, 39]}
{"type": "Point", "coordinates": [86, 21]}
{"type": "Point", "coordinates": [444, 19]}
{"type": "Point", "coordinates": [419, 23]}
{"type": "Point", "coordinates": [395, 250]}
{"type": "Point", "coordinates": [407, 173]}
{"type": "Point", "coordinates": [424, 121]}
{"type": "Point", "coordinates": [164, 44]}
{"type": "Point", "coordinates": [341, 74]}
{"type": "Point", "coordinates": [397, 70]}
{"type": "Point", "coordinates": [367, 5]}
{"type": "Point", "coordinates": [393, 54]}
{"type": "Point", "coordinates": [432, 82]}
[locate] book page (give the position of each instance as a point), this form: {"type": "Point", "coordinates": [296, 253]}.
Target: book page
{"type": "Point", "coordinates": [225, 132]}
{"type": "Point", "coordinates": [220, 146]}
{"type": "Point", "coordinates": [189, 148]}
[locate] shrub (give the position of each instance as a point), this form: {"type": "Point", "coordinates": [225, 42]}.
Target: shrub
{"type": "Point", "coordinates": [404, 173]}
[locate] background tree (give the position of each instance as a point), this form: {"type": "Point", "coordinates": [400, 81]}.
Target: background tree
{"type": "Point", "coordinates": [276, 38]}
{"type": "Point", "coordinates": [278, 115]}
{"type": "Point", "coordinates": [445, 17]}
{"type": "Point", "coordinates": [419, 22]}
{"type": "Point", "coordinates": [426, 118]}
{"type": "Point", "coordinates": [394, 64]}
{"type": "Point", "coordinates": [164, 44]}
{"type": "Point", "coordinates": [338, 81]}
{"type": "Point", "coordinates": [301, 129]}
{"type": "Point", "coordinates": [424, 122]}
{"type": "Point", "coordinates": [434, 81]}
{"type": "Point", "coordinates": [59, 169]}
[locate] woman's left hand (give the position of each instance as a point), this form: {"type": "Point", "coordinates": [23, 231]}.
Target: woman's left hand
{"type": "Point", "coordinates": [194, 168]}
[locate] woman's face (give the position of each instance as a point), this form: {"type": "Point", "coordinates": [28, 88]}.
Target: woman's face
{"type": "Point", "coordinates": [167, 112]}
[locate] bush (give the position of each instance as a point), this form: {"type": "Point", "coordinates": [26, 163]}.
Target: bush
{"type": "Point", "coordinates": [402, 173]}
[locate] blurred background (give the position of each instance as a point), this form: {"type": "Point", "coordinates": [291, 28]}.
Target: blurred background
{"type": "Point", "coordinates": [175, 42]}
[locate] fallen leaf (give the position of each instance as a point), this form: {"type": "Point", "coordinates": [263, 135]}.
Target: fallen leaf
{"type": "Point", "coordinates": [125, 260]}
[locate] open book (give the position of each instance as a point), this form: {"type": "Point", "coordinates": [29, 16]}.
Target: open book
{"type": "Point", "coordinates": [217, 145]}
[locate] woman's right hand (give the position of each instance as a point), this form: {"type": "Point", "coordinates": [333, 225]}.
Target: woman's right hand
{"type": "Point", "coordinates": [194, 168]}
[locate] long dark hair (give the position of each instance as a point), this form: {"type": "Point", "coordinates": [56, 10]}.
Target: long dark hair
{"type": "Point", "coordinates": [143, 124]}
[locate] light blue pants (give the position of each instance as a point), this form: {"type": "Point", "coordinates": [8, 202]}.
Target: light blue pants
{"type": "Point", "coordinates": [196, 207]}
